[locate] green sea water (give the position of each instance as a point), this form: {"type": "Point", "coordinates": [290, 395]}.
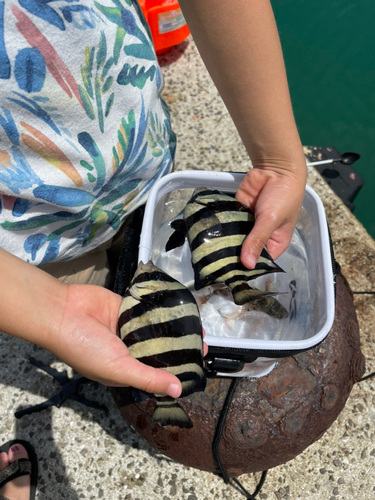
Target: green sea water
{"type": "Point", "coordinates": [329, 51]}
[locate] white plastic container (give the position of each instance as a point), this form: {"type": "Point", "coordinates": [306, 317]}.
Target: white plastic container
{"type": "Point", "coordinates": [307, 286]}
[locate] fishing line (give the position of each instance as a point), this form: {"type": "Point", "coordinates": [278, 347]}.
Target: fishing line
{"type": "Point", "coordinates": [216, 445]}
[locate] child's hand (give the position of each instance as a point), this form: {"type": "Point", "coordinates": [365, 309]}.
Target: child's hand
{"type": "Point", "coordinates": [77, 323]}
{"type": "Point", "coordinates": [87, 341]}
{"type": "Point", "coordinates": [275, 193]}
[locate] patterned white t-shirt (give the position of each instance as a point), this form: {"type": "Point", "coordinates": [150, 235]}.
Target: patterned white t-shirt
{"type": "Point", "coordinates": [83, 131]}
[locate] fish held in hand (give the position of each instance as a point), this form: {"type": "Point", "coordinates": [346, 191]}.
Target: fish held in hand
{"type": "Point", "coordinates": [160, 324]}
{"type": "Point", "coordinates": [216, 226]}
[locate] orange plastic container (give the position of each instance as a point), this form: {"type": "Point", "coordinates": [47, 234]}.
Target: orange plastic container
{"type": "Point", "coordinates": [166, 21]}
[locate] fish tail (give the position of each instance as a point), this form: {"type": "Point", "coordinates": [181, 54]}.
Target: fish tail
{"type": "Point", "coordinates": [169, 412]}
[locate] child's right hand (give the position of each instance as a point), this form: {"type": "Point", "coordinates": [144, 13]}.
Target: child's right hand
{"type": "Point", "coordinates": [274, 191]}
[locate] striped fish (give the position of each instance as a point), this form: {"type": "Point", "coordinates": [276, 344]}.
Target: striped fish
{"type": "Point", "coordinates": [160, 324]}
{"type": "Point", "coordinates": [216, 225]}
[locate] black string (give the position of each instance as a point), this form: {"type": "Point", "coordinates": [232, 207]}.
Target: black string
{"type": "Point", "coordinates": [257, 489]}
{"type": "Point", "coordinates": [366, 377]}
{"type": "Point", "coordinates": [220, 429]}
{"type": "Point", "coordinates": [216, 446]}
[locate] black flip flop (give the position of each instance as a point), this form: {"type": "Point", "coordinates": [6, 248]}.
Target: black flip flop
{"type": "Point", "coordinates": [21, 465]}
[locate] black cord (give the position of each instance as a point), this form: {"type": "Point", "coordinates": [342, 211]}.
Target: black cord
{"type": "Point", "coordinates": [220, 428]}
{"type": "Point", "coordinates": [216, 446]}
{"type": "Point", "coordinates": [257, 489]}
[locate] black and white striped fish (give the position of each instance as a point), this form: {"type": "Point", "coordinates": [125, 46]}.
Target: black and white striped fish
{"type": "Point", "coordinates": [216, 226]}
{"type": "Point", "coordinates": [160, 324]}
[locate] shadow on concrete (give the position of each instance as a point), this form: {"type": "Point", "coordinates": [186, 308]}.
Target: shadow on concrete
{"type": "Point", "coordinates": [28, 381]}
{"type": "Point", "coordinates": [52, 470]}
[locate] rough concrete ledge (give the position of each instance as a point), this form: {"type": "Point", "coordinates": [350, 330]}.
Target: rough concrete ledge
{"type": "Point", "coordinates": [85, 454]}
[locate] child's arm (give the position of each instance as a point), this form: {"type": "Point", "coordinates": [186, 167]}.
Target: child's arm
{"type": "Point", "coordinates": [239, 43]}
{"type": "Point", "coordinates": [77, 323]}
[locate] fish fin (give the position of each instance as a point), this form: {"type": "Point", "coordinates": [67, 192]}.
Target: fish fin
{"type": "Point", "coordinates": [169, 412]}
{"type": "Point", "coordinates": [272, 307]}
{"type": "Point", "coordinates": [198, 282]}
{"type": "Point", "coordinates": [134, 294]}
{"type": "Point", "coordinates": [275, 267]}
{"type": "Point", "coordinates": [177, 238]}
{"type": "Point", "coordinates": [200, 387]}
{"type": "Point", "coordinates": [192, 382]}
{"type": "Point", "coordinates": [139, 396]}
{"type": "Point", "coordinates": [129, 395]}
{"type": "Point", "coordinates": [179, 225]}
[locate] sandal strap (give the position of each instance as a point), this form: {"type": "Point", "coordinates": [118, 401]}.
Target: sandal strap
{"type": "Point", "coordinates": [20, 467]}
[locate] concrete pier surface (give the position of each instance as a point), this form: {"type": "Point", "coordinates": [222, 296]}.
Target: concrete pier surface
{"type": "Point", "coordinates": [87, 454]}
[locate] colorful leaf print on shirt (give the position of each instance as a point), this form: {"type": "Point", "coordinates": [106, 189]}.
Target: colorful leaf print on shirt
{"type": "Point", "coordinates": [4, 59]}
{"type": "Point", "coordinates": [84, 133]}
{"type": "Point", "coordinates": [97, 82]}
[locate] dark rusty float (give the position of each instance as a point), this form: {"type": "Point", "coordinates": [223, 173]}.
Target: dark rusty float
{"type": "Point", "coordinates": [272, 419]}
